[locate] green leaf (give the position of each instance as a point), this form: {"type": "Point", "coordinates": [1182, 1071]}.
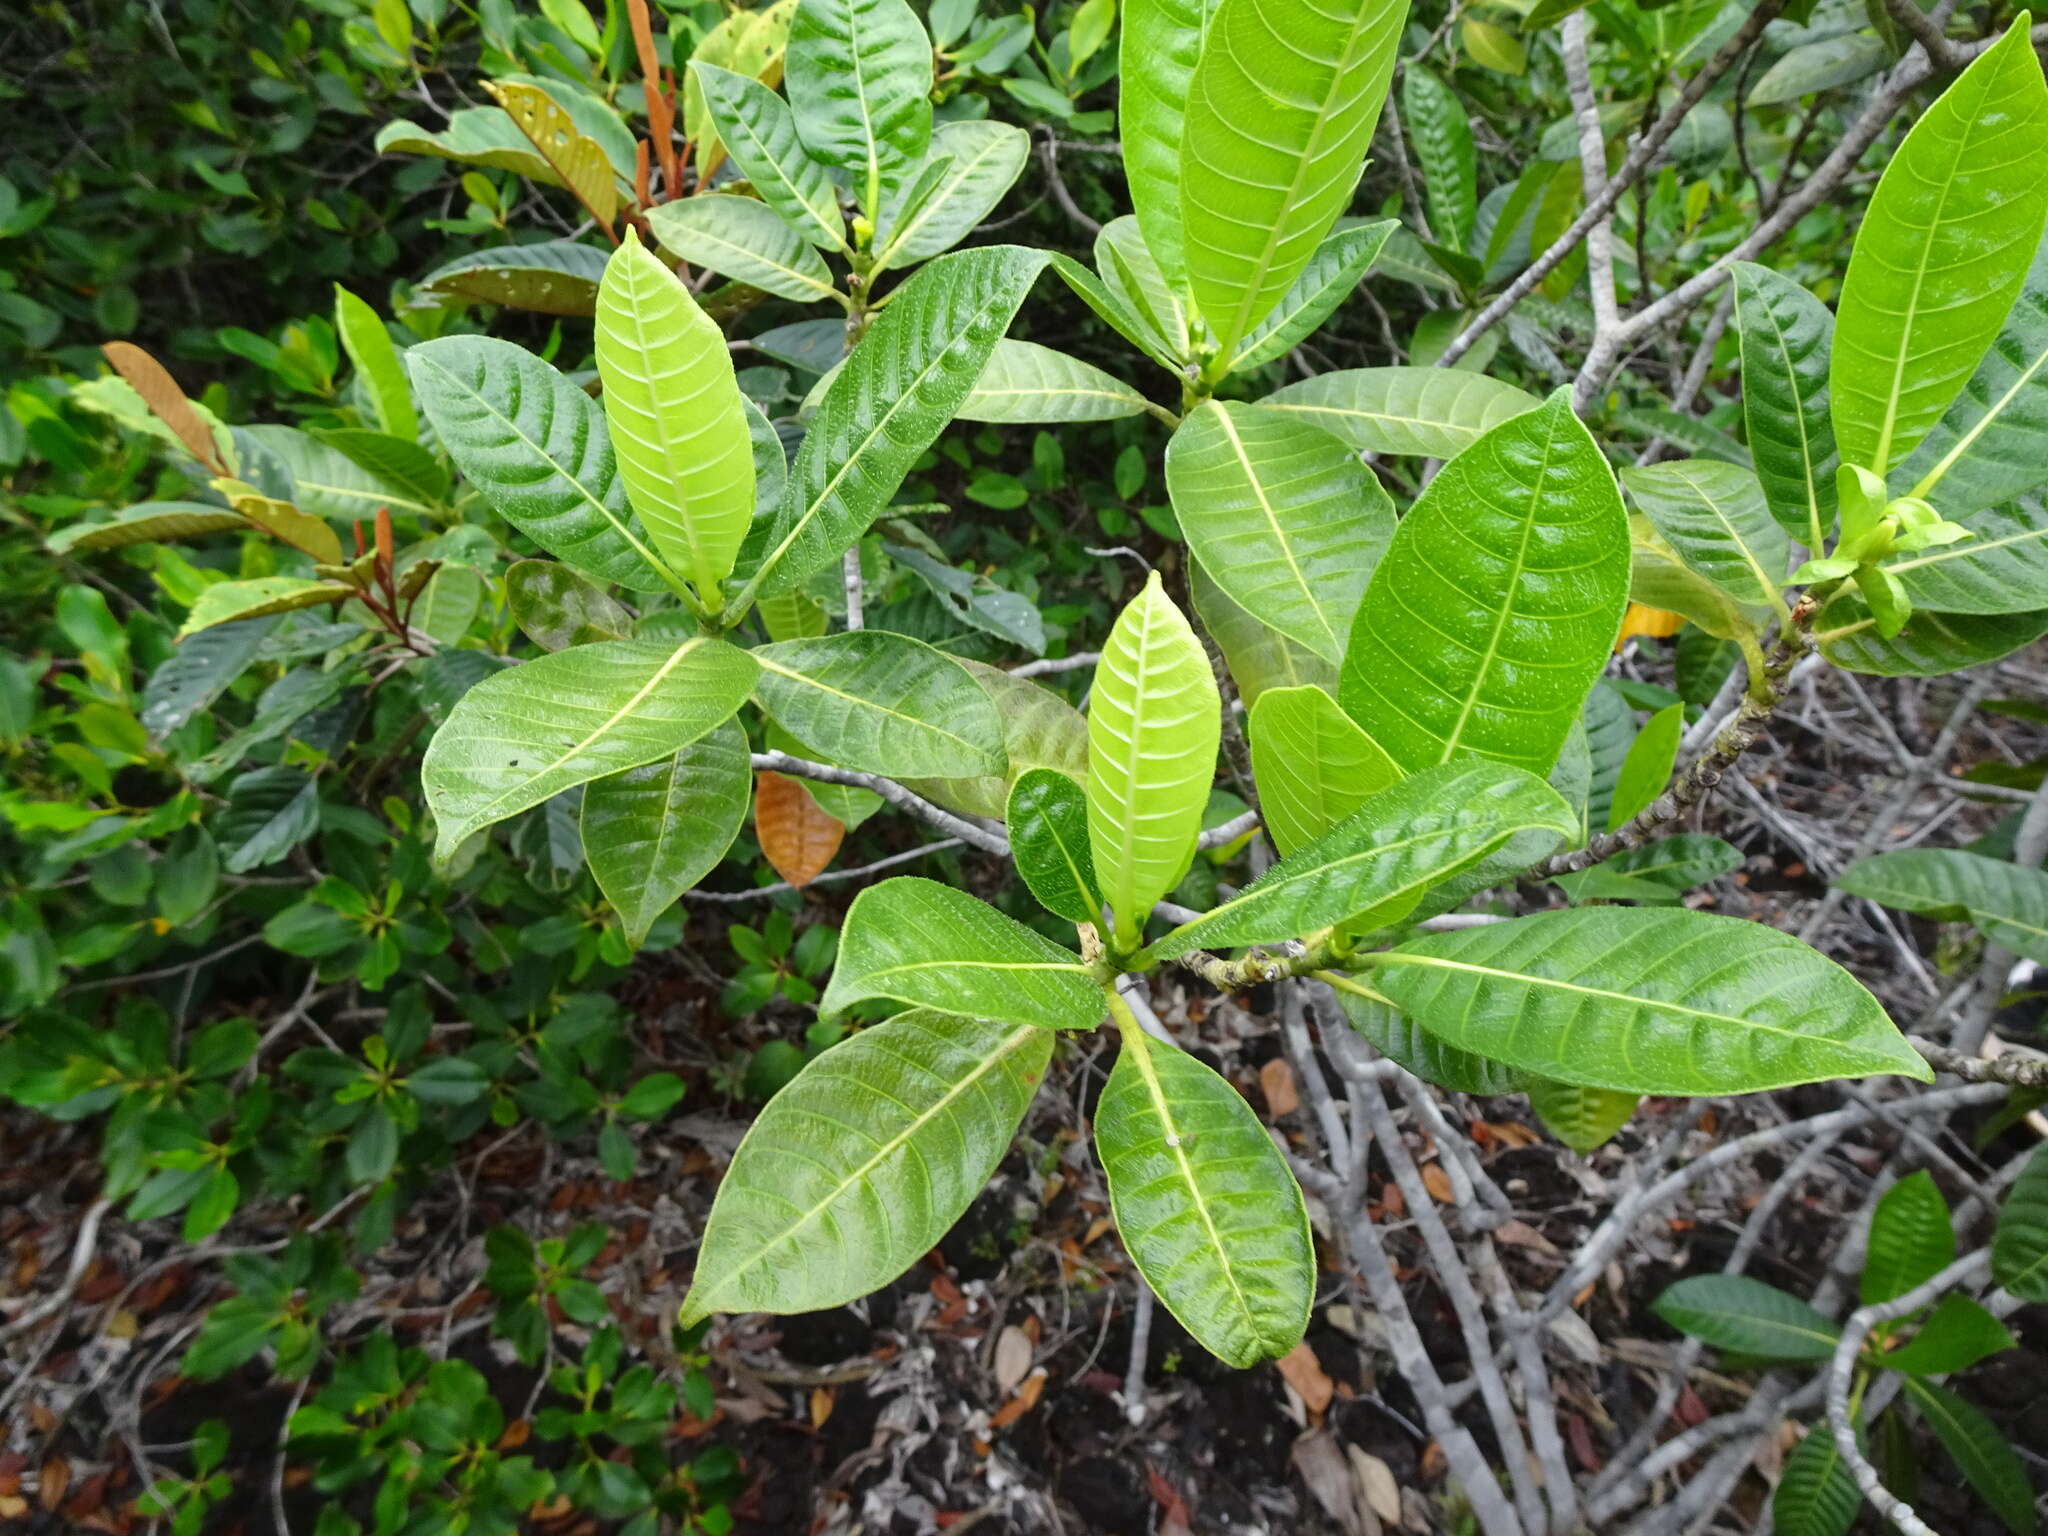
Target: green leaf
{"type": "Point", "coordinates": [1659, 577]}
{"type": "Point", "coordinates": [1204, 1203]}
{"type": "Point", "coordinates": [859, 77]}
{"type": "Point", "coordinates": [1386, 855]}
{"type": "Point", "coordinates": [926, 944]}
{"type": "Point", "coordinates": [1657, 1001]}
{"type": "Point", "coordinates": [2003, 568]}
{"type": "Point", "coordinates": [1910, 1239]}
{"type": "Point", "coordinates": [1134, 277]}
{"type": "Point", "coordinates": [985, 158]}
{"type": "Point", "coordinates": [535, 446]}
{"type": "Point", "coordinates": [1715, 517]}
{"type": "Point", "coordinates": [1980, 1451]}
{"type": "Point", "coordinates": [327, 482]}
{"type": "Point", "coordinates": [1442, 136]}
{"type": "Point", "coordinates": [484, 136]}
{"type": "Point", "coordinates": [759, 132]}
{"type": "Point", "coordinates": [1154, 723]}
{"type": "Point", "coordinates": [369, 347]}
{"type": "Point", "coordinates": [1670, 865]}
{"type": "Point", "coordinates": [1786, 337]}
{"type": "Point", "coordinates": [1114, 312]}
{"type": "Point", "coordinates": [2019, 1251]}
{"type": "Point", "coordinates": [555, 608]}
{"type": "Point", "coordinates": [194, 675]}
{"type": "Point", "coordinates": [1331, 276]}
{"type": "Point", "coordinates": [550, 277]}
{"type": "Point", "coordinates": [524, 735]}
{"type": "Point", "coordinates": [889, 402]}
{"type": "Point", "coordinates": [881, 703]}
{"type": "Point", "coordinates": [1989, 446]}
{"type": "Point", "coordinates": [1647, 768]}
{"type": "Point", "coordinates": [856, 1169]}
{"type": "Point", "coordinates": [744, 239]}
{"type": "Point", "coordinates": [1496, 606]}
{"type": "Point", "coordinates": [652, 832]}
{"type": "Point", "coordinates": [1944, 248]}
{"type": "Point", "coordinates": [147, 523]}
{"type": "Point", "coordinates": [1820, 66]}
{"type": "Point", "coordinates": [1815, 1495]}
{"type": "Point", "coordinates": [1931, 645]}
{"type": "Point", "coordinates": [1313, 764]}
{"type": "Point", "coordinates": [1580, 1117]}
{"type": "Point", "coordinates": [1157, 53]}
{"type": "Point", "coordinates": [672, 406]}
{"type": "Point", "coordinates": [1280, 111]}
{"type": "Point", "coordinates": [1040, 730]}
{"type": "Point", "coordinates": [1747, 1317]}
{"type": "Point", "coordinates": [270, 811]}
{"type": "Point", "coordinates": [2008, 901]}
{"type": "Point", "coordinates": [226, 601]}
{"type": "Point", "coordinates": [1259, 656]}
{"type": "Point", "coordinates": [1025, 382]}
{"type": "Point", "coordinates": [398, 461]}
{"type": "Point", "coordinates": [1956, 1335]}
{"type": "Point", "coordinates": [1048, 825]}
{"type": "Point", "coordinates": [1281, 515]}
{"type": "Point", "coordinates": [1404, 1042]}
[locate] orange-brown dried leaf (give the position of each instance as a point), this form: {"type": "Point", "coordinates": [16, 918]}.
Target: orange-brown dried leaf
{"type": "Point", "coordinates": [796, 837]}
{"type": "Point", "coordinates": [166, 401]}
{"type": "Point", "coordinates": [1305, 1373]}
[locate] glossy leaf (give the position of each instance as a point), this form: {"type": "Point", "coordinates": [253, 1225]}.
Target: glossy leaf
{"type": "Point", "coordinates": [369, 347]}
{"type": "Point", "coordinates": [1259, 656]}
{"type": "Point", "coordinates": [2002, 568]}
{"type": "Point", "coordinates": [746, 240]}
{"type": "Point", "coordinates": [1136, 279]}
{"type": "Point", "coordinates": [1815, 1495]}
{"type": "Point", "coordinates": [1656, 1001]}
{"type": "Point", "coordinates": [1980, 1451]}
{"type": "Point", "coordinates": [1496, 605]}
{"type": "Point", "coordinates": [550, 277]}
{"type": "Point", "coordinates": [678, 430]}
{"type": "Point", "coordinates": [1415, 835]}
{"type": "Point", "coordinates": [859, 77]}
{"type": "Point", "coordinates": [1747, 1317]}
{"type": "Point", "coordinates": [1114, 312]}
{"type": "Point", "coordinates": [985, 158]}
{"type": "Point", "coordinates": [1024, 382]}
{"type": "Point", "coordinates": [1282, 516]}
{"type": "Point", "coordinates": [889, 402]}
{"type": "Point", "coordinates": [524, 735]}
{"type": "Point", "coordinates": [798, 833]}
{"type": "Point", "coordinates": [1647, 768]}
{"type": "Point", "coordinates": [535, 446]}
{"type": "Point", "coordinates": [1580, 1117]}
{"type": "Point", "coordinates": [1280, 110]}
{"type": "Point", "coordinates": [1205, 1203]}
{"type": "Point", "coordinates": [1048, 826]}
{"type": "Point", "coordinates": [1786, 337]}
{"type": "Point", "coordinates": [1910, 1239]}
{"type": "Point", "coordinates": [1401, 1040]}
{"type": "Point", "coordinates": [1442, 138]}
{"type": "Point", "coordinates": [2019, 1250]}
{"type": "Point", "coordinates": [327, 482]}
{"type": "Point", "coordinates": [1331, 276]}
{"type": "Point", "coordinates": [1425, 412]}
{"type": "Point", "coordinates": [227, 601]}
{"type": "Point", "coordinates": [652, 832]}
{"type": "Point", "coordinates": [555, 608]}
{"type": "Point", "coordinates": [194, 675]}
{"type": "Point", "coordinates": [881, 703]}
{"type": "Point", "coordinates": [925, 944]}
{"type": "Point", "coordinates": [1715, 517]}
{"type": "Point", "coordinates": [1313, 764]}
{"type": "Point", "coordinates": [1956, 1335]}
{"type": "Point", "coordinates": [759, 131]}
{"type": "Point", "coordinates": [2008, 901]}
{"type": "Point", "coordinates": [1040, 730]}
{"type": "Point", "coordinates": [856, 1169]}
{"type": "Point", "coordinates": [1944, 248]}
{"type": "Point", "coordinates": [1660, 870]}
{"type": "Point", "coordinates": [1154, 724]}
{"type": "Point", "coordinates": [1160, 43]}
{"type": "Point", "coordinates": [1931, 645]}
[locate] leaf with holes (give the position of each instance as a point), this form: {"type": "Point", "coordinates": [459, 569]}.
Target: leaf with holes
{"type": "Point", "coordinates": [1048, 825]}
{"type": "Point", "coordinates": [578, 161]}
{"type": "Point", "coordinates": [1313, 764]}
{"type": "Point", "coordinates": [550, 277]}
{"type": "Point", "coordinates": [1204, 1203]}
{"type": "Point", "coordinates": [881, 703]}
{"type": "Point", "coordinates": [1747, 1317]}
{"type": "Point", "coordinates": [555, 608]}
{"type": "Point", "coordinates": [652, 832]}
{"type": "Point", "coordinates": [856, 1169]}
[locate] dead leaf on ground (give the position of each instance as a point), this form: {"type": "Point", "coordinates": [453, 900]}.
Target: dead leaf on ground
{"type": "Point", "coordinates": [1377, 1482]}
{"type": "Point", "coordinates": [821, 1406]}
{"type": "Point", "coordinates": [1305, 1373]}
{"type": "Point", "coordinates": [1276, 1081]}
{"type": "Point", "coordinates": [1013, 1358]}
{"type": "Point", "coordinates": [1173, 1509]}
{"type": "Point", "coordinates": [1323, 1466]}
{"type": "Point", "coordinates": [1026, 1399]}
{"type": "Point", "coordinates": [1438, 1183]}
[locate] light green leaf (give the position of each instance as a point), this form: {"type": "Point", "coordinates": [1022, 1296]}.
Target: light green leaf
{"type": "Point", "coordinates": [1134, 277]}
{"type": "Point", "coordinates": [226, 601]}
{"type": "Point", "coordinates": [328, 483]}
{"type": "Point", "coordinates": [881, 703]}
{"type": "Point", "coordinates": [1401, 843]}
{"type": "Point", "coordinates": [1646, 1000]}
{"type": "Point", "coordinates": [1660, 870]}
{"type": "Point", "coordinates": [484, 136]}
{"type": "Point", "coordinates": [1204, 1203]}
{"type": "Point", "coordinates": [1161, 41]}
{"type": "Point", "coordinates": [1714, 516]}
{"type": "Point", "coordinates": [1786, 337]}
{"type": "Point", "coordinates": [1313, 764]}
{"type": "Point", "coordinates": [2002, 568]}
{"type": "Point", "coordinates": [1582, 1118]}
{"type": "Point", "coordinates": [1910, 1239]}
{"type": "Point", "coordinates": [744, 239]}
{"type": "Point", "coordinates": [886, 405]}
{"type": "Point", "coordinates": [148, 522]}
{"type": "Point", "coordinates": [1025, 382]}
{"type": "Point", "coordinates": [1747, 1317]}
{"type": "Point", "coordinates": [552, 277]}
{"type": "Point", "coordinates": [2019, 1250]}
{"type": "Point", "coordinates": [986, 159]}
{"type": "Point", "coordinates": [524, 735]}
{"type": "Point", "coordinates": [1944, 248]}
{"type": "Point", "coordinates": [1280, 110]}
{"type": "Point", "coordinates": [1040, 730]}
{"type": "Point", "coordinates": [925, 944]}
{"type": "Point", "coordinates": [856, 1169]}
{"type": "Point", "coordinates": [1331, 276]}
{"type": "Point", "coordinates": [1402, 1041]}
{"type": "Point", "coordinates": [1048, 825]}
{"type": "Point", "coordinates": [678, 429]}
{"type": "Point", "coordinates": [652, 832]}
{"type": "Point", "coordinates": [555, 608]}
{"type": "Point", "coordinates": [1815, 1495]}
{"type": "Point", "coordinates": [1496, 606]}
{"type": "Point", "coordinates": [535, 446]}
{"type": "Point", "coordinates": [1820, 66]}
{"type": "Point", "coordinates": [1660, 578]}
{"type": "Point", "coordinates": [1931, 645]}
{"type": "Point", "coordinates": [1154, 723]}
{"type": "Point", "coordinates": [1281, 515]}
{"type": "Point", "coordinates": [1113, 311]}
{"type": "Point", "coordinates": [448, 604]}
{"type": "Point", "coordinates": [1259, 656]}
{"type": "Point", "coordinates": [759, 132]}
{"type": "Point", "coordinates": [1956, 1335]}
{"type": "Point", "coordinates": [1979, 1449]}
{"type": "Point", "coordinates": [859, 77]}
{"type": "Point", "coordinates": [1647, 768]}
{"type": "Point", "coordinates": [397, 461]}
{"type": "Point", "coordinates": [369, 347]}
{"type": "Point", "coordinates": [1427, 412]}
{"type": "Point", "coordinates": [1442, 137]}
{"type": "Point", "coordinates": [2008, 901]}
